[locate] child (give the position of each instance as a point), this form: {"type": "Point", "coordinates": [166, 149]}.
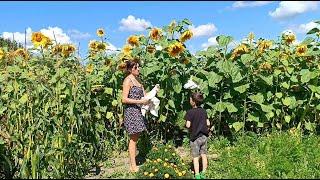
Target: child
{"type": "Point", "coordinates": [197, 122]}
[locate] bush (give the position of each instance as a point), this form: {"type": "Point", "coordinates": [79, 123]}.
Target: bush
{"type": "Point", "coordinates": [163, 162]}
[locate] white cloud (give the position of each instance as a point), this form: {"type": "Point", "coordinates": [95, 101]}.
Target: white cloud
{"type": "Point", "coordinates": [203, 30]}
{"type": "Point", "coordinates": [290, 9]}
{"type": "Point", "coordinates": [134, 24]}
{"type": "Point", "coordinates": [77, 35]}
{"type": "Point", "coordinates": [211, 42]}
{"type": "Point", "coordinates": [243, 4]}
{"type": "Point", "coordinates": [56, 33]}
{"type": "Point", "coordinates": [304, 28]}
{"type": "Point", "coordinates": [20, 37]}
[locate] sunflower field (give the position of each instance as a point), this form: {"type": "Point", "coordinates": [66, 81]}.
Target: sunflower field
{"type": "Point", "coordinates": [61, 115]}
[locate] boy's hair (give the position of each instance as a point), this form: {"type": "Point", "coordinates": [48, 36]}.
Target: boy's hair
{"type": "Point", "coordinates": [197, 97]}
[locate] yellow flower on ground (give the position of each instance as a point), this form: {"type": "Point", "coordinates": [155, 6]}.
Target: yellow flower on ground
{"type": "Point", "coordinates": [165, 164]}
{"type": "Point", "coordinates": [159, 160]}
{"type": "Point", "coordinates": [155, 34]}
{"type": "Point", "coordinates": [156, 170]}
{"type": "Point", "coordinates": [175, 49]}
{"type": "Point", "coordinates": [184, 172]}
{"type": "Point", "coordinates": [89, 68]}
{"type": "Point", "coordinates": [100, 32]}
{"type": "Point", "coordinates": [169, 146]}
{"type": "Point", "coordinates": [173, 154]}
{"type": "Point", "coordinates": [133, 40]}
{"type": "Point", "coordinates": [145, 173]}
{"type": "Point", "coordinates": [151, 174]}
{"type": "Point", "coordinates": [2, 53]}
{"type": "Point", "coordinates": [166, 159]}
{"type": "Point", "coordinates": [301, 50]}
{"type": "Point", "coordinates": [165, 150]}
{"type": "Point", "coordinates": [166, 176]}
{"type": "Point", "coordinates": [179, 174]}
{"type": "Point", "coordinates": [186, 35]}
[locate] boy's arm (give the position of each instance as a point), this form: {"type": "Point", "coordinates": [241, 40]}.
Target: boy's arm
{"type": "Point", "coordinates": [188, 124]}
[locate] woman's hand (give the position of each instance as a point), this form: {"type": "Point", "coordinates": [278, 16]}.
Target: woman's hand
{"type": "Point", "coordinates": [144, 101]}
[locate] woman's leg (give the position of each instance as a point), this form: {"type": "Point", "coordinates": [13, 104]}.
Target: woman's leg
{"type": "Point", "coordinates": [132, 152]}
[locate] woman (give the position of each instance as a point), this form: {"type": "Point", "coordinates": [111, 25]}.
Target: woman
{"type": "Point", "coordinates": [134, 123]}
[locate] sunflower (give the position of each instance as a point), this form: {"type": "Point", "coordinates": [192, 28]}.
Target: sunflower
{"type": "Point", "coordinates": [2, 53]}
{"type": "Point", "coordinates": [68, 49]}
{"type": "Point", "coordinates": [186, 35]}
{"type": "Point", "coordinates": [241, 49]}
{"type": "Point", "coordinates": [155, 34]}
{"type": "Point", "coordinates": [38, 39]}
{"type": "Point", "coordinates": [265, 66]}
{"type": "Point", "coordinates": [122, 66]}
{"type": "Point", "coordinates": [175, 49]}
{"type": "Point", "coordinates": [301, 50]}
{"type": "Point", "coordinates": [133, 40]}
{"type": "Point", "coordinates": [22, 53]}
{"type": "Point", "coordinates": [127, 49]}
{"type": "Point", "coordinates": [89, 68]}
{"type": "Point", "coordinates": [288, 37]}
{"type": "Point", "coordinates": [101, 46]}
{"type": "Point", "coordinates": [250, 36]}
{"type": "Point", "coordinates": [100, 32]}
{"type": "Point", "coordinates": [151, 49]}
{"type": "Point", "coordinates": [57, 49]}
{"type": "Point", "coordinates": [264, 44]}
{"type": "Point", "coordinates": [93, 45]}
{"type": "Point", "coordinates": [185, 61]}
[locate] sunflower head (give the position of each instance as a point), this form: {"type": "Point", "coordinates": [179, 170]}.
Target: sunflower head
{"type": "Point", "coordinates": [264, 44]}
{"type": "Point", "coordinates": [301, 50]}
{"type": "Point", "coordinates": [175, 49]}
{"type": "Point", "coordinates": [2, 54]}
{"type": "Point", "coordinates": [100, 32]}
{"type": "Point", "coordinates": [127, 49]}
{"type": "Point", "coordinates": [89, 68]}
{"type": "Point", "coordinates": [38, 39]}
{"type": "Point", "coordinates": [22, 53]}
{"type": "Point", "coordinates": [101, 46]}
{"type": "Point", "coordinates": [151, 49]}
{"type": "Point", "coordinates": [133, 40]}
{"type": "Point", "coordinates": [186, 35]}
{"type": "Point", "coordinates": [67, 49]}
{"type": "Point", "coordinates": [289, 37]}
{"type": "Point", "coordinates": [155, 34]}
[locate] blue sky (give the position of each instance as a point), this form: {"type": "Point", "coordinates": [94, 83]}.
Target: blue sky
{"type": "Point", "coordinates": [77, 22]}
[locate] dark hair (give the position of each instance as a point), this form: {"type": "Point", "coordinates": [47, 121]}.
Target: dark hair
{"type": "Point", "coordinates": [197, 97]}
{"type": "Point", "coordinates": [129, 65]}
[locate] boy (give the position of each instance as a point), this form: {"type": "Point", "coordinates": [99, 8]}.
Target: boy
{"type": "Point", "coordinates": [198, 123]}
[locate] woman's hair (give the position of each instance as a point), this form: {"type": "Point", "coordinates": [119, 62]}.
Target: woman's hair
{"type": "Point", "coordinates": [129, 65]}
{"type": "Point", "coordinates": [197, 98]}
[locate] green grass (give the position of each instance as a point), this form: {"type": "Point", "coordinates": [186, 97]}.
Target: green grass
{"type": "Point", "coordinates": [276, 155]}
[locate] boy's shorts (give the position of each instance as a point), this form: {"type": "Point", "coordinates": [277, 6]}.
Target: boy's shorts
{"type": "Point", "coordinates": [199, 146]}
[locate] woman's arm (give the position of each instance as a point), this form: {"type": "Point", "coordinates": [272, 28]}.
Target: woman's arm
{"type": "Point", "coordinates": [188, 124]}
{"type": "Point", "coordinates": [125, 92]}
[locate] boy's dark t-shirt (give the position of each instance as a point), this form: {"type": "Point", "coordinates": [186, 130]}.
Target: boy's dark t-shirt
{"type": "Point", "coordinates": [198, 119]}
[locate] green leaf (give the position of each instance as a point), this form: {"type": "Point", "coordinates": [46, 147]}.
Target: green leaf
{"type": "Point", "coordinates": [213, 79]}
{"type": "Point", "coordinates": [313, 31]}
{"type": "Point", "coordinates": [162, 118]}
{"type": "Point", "coordinates": [177, 88]}
{"type": "Point", "coordinates": [114, 103]}
{"type": "Point", "coordinates": [287, 119]}
{"type": "Point", "coordinates": [171, 103]}
{"type": "Point", "coordinates": [305, 75]}
{"type": "Point", "coordinates": [160, 93]}
{"type": "Point", "coordinates": [109, 115]}
{"type": "Point", "coordinates": [252, 118]}
{"type": "Point", "coordinates": [237, 126]}
{"type": "Point", "coordinates": [224, 40]}
{"type": "Point", "coordinates": [108, 90]}
{"type": "Point", "coordinates": [246, 58]}
{"type": "Point", "coordinates": [243, 88]}
{"type": "Point", "coordinates": [268, 80]}
{"type": "Point", "coordinates": [285, 85]}
{"type": "Point", "coordinates": [293, 78]}
{"type": "Point", "coordinates": [308, 40]}
{"type": "Point", "coordinates": [219, 106]}
{"type": "Point", "coordinates": [309, 126]}
{"type": "Point", "coordinates": [230, 107]}
{"type": "Point", "coordinates": [258, 98]}
{"type": "Point", "coordinates": [279, 95]}
{"type": "Point", "coordinates": [289, 101]}
{"type": "Point", "coordinates": [23, 99]}
{"type": "Point", "coordinates": [277, 72]}
{"type": "Point", "coordinates": [266, 108]}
